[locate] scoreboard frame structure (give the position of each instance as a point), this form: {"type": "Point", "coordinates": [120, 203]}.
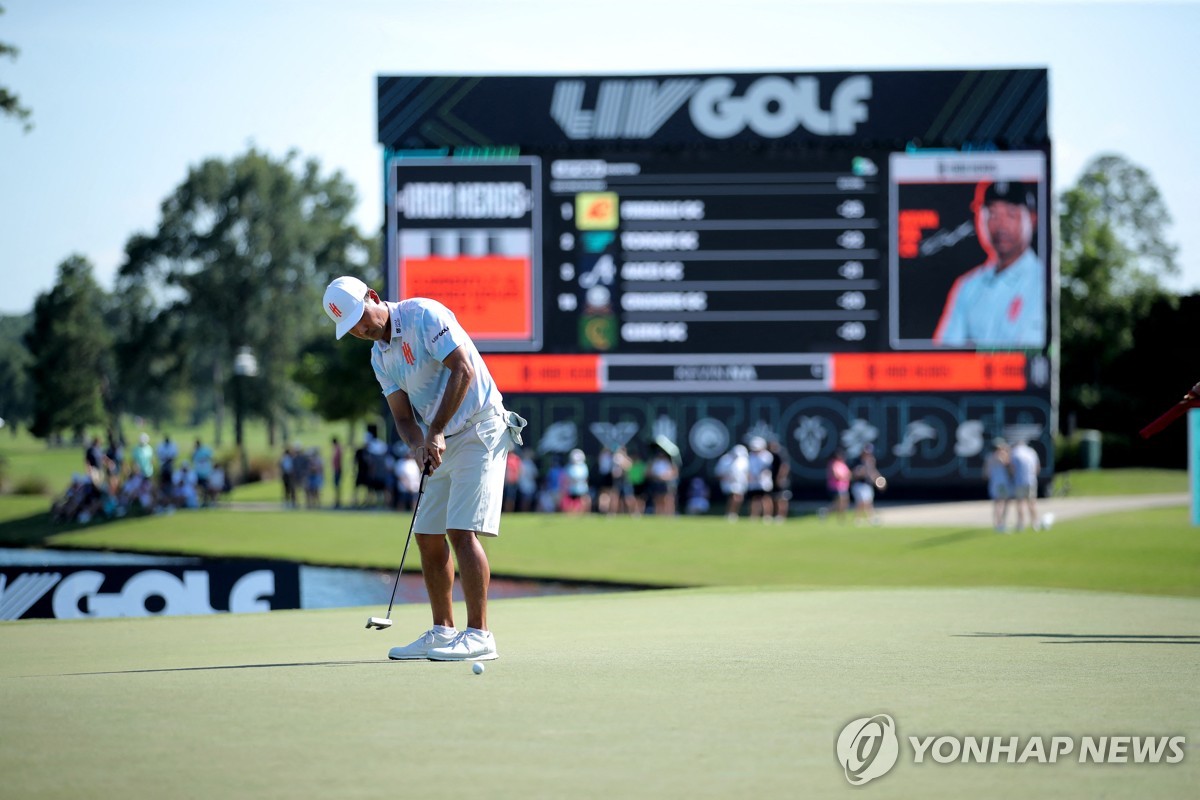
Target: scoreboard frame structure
{"type": "Point", "coordinates": [706, 258]}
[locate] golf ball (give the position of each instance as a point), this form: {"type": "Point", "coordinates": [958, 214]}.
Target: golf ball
{"type": "Point", "coordinates": [477, 668]}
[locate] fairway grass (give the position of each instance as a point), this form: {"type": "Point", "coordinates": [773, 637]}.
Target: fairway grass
{"type": "Point", "coordinates": [1153, 551]}
{"type": "Point", "coordinates": [702, 693]}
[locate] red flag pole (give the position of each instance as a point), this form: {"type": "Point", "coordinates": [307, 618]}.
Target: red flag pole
{"type": "Point", "coordinates": [1190, 400]}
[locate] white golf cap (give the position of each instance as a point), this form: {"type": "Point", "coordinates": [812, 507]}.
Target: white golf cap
{"type": "Point", "coordinates": [344, 303]}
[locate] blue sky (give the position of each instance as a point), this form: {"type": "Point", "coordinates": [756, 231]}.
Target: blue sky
{"type": "Point", "coordinates": [127, 94]}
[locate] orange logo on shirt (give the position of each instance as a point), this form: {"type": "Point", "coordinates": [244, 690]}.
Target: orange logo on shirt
{"type": "Point", "coordinates": [1014, 309]}
{"type": "Point", "coordinates": [408, 353]}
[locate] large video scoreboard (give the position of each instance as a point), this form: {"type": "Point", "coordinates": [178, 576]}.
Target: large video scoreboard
{"type": "Point", "coordinates": [830, 260]}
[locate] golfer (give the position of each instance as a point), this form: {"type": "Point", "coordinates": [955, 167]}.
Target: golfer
{"type": "Point", "coordinates": [450, 413]}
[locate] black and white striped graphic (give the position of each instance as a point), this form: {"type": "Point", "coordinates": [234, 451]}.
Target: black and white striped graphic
{"type": "Point", "coordinates": [23, 592]}
{"type": "Point", "coordinates": [993, 106]}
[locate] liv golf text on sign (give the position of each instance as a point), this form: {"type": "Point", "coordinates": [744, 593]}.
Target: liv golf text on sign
{"type": "Point", "coordinates": [73, 592]}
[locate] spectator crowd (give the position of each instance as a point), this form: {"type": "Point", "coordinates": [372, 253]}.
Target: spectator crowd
{"type": "Point", "coordinates": [143, 480]}
{"type": "Point", "coordinates": [752, 480]}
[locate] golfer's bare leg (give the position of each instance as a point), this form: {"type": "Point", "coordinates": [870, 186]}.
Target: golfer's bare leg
{"type": "Point", "coordinates": [475, 573]}
{"type": "Point", "coordinates": [438, 570]}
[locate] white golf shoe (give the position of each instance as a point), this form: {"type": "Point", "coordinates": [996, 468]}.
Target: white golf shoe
{"type": "Point", "coordinates": [470, 645]}
{"type": "Point", "coordinates": [421, 647]}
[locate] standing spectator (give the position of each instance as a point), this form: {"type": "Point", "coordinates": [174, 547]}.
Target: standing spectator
{"type": "Point", "coordinates": [865, 478]}
{"type": "Point", "coordinates": [114, 461]}
{"type": "Point", "coordinates": [299, 474]}
{"type": "Point", "coordinates": [143, 457]}
{"type": "Point", "coordinates": [183, 487]}
{"type": "Point", "coordinates": [314, 479]}
{"type": "Point", "coordinates": [614, 489]}
{"type": "Point", "coordinates": [837, 480]}
{"type": "Point", "coordinates": [362, 474]}
{"type": "Point", "coordinates": [550, 497]}
{"type": "Point", "coordinates": [1026, 466]}
{"type": "Point", "coordinates": [378, 471]}
{"type": "Point", "coordinates": [604, 481]}
{"type": "Point", "coordinates": [216, 485]}
{"type": "Point", "coordinates": [578, 498]}
{"type": "Point", "coordinates": [167, 453]}
{"type": "Point", "coordinates": [512, 479]}
{"type": "Point", "coordinates": [93, 459]}
{"type": "Point", "coordinates": [408, 480]}
{"type": "Point", "coordinates": [527, 484]}
{"type": "Point", "coordinates": [287, 471]}
{"type": "Point", "coordinates": [662, 477]}
{"type": "Point", "coordinates": [697, 499]}
{"type": "Point", "coordinates": [759, 486]}
{"type": "Point", "coordinates": [335, 466]}
{"type": "Point", "coordinates": [202, 463]}
{"type": "Point", "coordinates": [394, 455]}
{"type": "Point", "coordinates": [781, 481]}
{"type": "Point", "coordinates": [637, 483]}
{"type": "Point", "coordinates": [998, 472]}
{"type": "Point", "coordinates": [733, 471]}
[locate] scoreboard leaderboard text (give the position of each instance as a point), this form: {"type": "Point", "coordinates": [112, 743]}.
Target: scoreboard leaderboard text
{"type": "Point", "coordinates": [710, 257]}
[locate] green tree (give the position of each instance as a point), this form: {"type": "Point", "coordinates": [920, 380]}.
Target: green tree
{"type": "Point", "coordinates": [240, 257]}
{"type": "Point", "coordinates": [10, 104]}
{"type": "Point", "coordinates": [16, 391]}
{"type": "Point", "coordinates": [146, 345]}
{"type": "Point", "coordinates": [1114, 254]}
{"type": "Point", "coordinates": [340, 378]}
{"type": "Point", "coordinates": [71, 353]}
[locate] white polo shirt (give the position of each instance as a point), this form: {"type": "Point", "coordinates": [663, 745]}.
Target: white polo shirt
{"type": "Point", "coordinates": [997, 309]}
{"type": "Point", "coordinates": [424, 333]}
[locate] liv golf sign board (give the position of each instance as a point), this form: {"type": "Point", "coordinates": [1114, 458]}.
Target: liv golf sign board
{"type": "Point", "coordinates": [75, 592]}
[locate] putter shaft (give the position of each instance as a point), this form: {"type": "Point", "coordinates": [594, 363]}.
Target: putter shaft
{"type": "Point", "coordinates": [404, 555]}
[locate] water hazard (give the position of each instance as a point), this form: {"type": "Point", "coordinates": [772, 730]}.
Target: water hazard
{"type": "Point", "coordinates": [320, 587]}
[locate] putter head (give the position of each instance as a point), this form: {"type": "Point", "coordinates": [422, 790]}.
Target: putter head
{"type": "Point", "coordinates": [378, 623]}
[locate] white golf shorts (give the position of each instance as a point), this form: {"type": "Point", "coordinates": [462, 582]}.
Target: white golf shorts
{"type": "Point", "coordinates": [467, 491]}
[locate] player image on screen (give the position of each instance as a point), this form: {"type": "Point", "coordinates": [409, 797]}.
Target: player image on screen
{"type": "Point", "coordinates": [1002, 302]}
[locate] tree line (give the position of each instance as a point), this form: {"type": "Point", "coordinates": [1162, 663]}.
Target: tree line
{"type": "Point", "coordinates": [242, 251]}
{"type": "Point", "coordinates": [245, 246]}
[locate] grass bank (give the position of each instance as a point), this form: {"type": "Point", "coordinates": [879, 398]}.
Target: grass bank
{"type": "Point", "coordinates": [1152, 551]}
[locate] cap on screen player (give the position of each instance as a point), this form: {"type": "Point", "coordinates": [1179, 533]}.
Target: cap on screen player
{"type": "Point", "coordinates": [344, 302]}
{"type": "Point", "coordinates": [1016, 192]}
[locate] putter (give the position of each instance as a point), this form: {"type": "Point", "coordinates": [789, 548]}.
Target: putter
{"type": "Point", "coordinates": [380, 623]}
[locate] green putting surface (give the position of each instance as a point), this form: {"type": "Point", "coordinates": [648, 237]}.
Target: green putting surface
{"type": "Point", "coordinates": [715, 693]}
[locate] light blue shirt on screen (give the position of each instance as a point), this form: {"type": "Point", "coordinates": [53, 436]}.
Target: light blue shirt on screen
{"type": "Point", "coordinates": [424, 333]}
{"type": "Point", "coordinates": [987, 308]}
